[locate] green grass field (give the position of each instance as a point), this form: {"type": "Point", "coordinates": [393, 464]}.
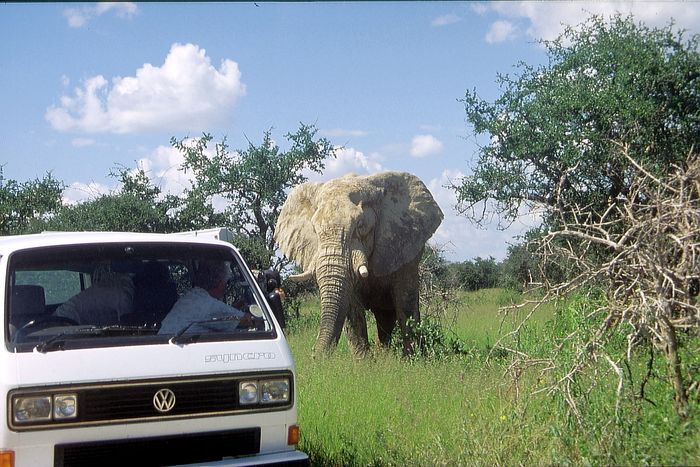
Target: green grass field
{"type": "Point", "coordinates": [462, 409]}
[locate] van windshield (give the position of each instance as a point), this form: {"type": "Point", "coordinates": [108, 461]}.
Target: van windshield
{"type": "Point", "coordinates": [118, 294]}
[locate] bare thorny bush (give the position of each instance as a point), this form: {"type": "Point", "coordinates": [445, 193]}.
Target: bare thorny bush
{"type": "Point", "coordinates": [649, 274]}
{"type": "Point", "coordinates": [436, 297]}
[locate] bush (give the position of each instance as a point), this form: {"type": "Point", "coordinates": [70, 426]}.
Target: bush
{"type": "Point", "coordinates": [621, 401]}
{"type": "Point", "coordinates": [432, 340]}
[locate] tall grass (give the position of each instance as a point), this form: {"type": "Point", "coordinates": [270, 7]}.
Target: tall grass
{"type": "Point", "coordinates": [480, 322]}
{"type": "Point", "coordinates": [462, 410]}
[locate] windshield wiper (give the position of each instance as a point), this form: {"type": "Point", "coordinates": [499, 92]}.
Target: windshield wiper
{"type": "Point", "coordinates": [56, 342]}
{"type": "Point", "coordinates": [176, 338]}
{"type": "Point", "coordinates": [52, 343]}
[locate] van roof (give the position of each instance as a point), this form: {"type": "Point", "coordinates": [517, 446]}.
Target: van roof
{"type": "Point", "coordinates": [11, 243]}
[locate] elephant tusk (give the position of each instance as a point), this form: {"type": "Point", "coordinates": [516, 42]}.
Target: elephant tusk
{"type": "Point", "coordinates": [359, 262]}
{"type": "Point", "coordinates": [303, 277]}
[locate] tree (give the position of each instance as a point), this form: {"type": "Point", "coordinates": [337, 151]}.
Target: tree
{"type": "Point", "coordinates": [137, 207]}
{"type": "Point", "coordinates": [24, 207]}
{"type": "Point", "coordinates": [603, 140]}
{"type": "Point", "coordinates": [517, 268]}
{"type": "Point", "coordinates": [253, 181]}
{"type": "Point", "coordinates": [553, 131]}
{"type": "Point", "coordinates": [475, 274]}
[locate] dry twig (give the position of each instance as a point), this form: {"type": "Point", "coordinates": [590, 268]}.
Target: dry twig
{"type": "Point", "coordinates": [651, 274]}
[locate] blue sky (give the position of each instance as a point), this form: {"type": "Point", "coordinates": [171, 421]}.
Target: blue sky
{"type": "Point", "coordinates": [88, 87]}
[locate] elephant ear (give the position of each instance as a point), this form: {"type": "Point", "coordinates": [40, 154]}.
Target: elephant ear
{"type": "Point", "coordinates": [294, 232]}
{"type": "Point", "coordinates": [408, 218]}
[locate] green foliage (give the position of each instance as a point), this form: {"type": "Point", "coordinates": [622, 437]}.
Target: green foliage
{"type": "Point", "coordinates": [433, 267]}
{"type": "Point", "coordinates": [524, 268]}
{"type": "Point", "coordinates": [136, 207]}
{"type": "Point", "coordinates": [303, 312]}
{"type": "Point", "coordinates": [253, 250]}
{"type": "Point", "coordinates": [24, 207]}
{"type": "Point", "coordinates": [197, 212]}
{"type": "Point", "coordinates": [386, 411]}
{"type": "Point", "coordinates": [517, 271]}
{"type": "Point", "coordinates": [475, 274]}
{"type": "Point", "coordinates": [617, 424]}
{"type": "Point", "coordinates": [554, 129]}
{"type": "Point", "coordinates": [254, 181]}
{"type": "Point", "coordinates": [432, 340]}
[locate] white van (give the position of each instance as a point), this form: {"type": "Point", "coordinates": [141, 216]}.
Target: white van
{"type": "Point", "coordinates": [102, 386]}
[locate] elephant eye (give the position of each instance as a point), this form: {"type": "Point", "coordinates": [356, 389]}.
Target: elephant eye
{"type": "Point", "coordinates": [363, 226]}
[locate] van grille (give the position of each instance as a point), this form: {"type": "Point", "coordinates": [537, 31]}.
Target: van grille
{"type": "Point", "coordinates": [134, 401]}
{"type": "Point", "coordinates": [137, 401]}
{"type": "Point", "coordinates": [170, 450]}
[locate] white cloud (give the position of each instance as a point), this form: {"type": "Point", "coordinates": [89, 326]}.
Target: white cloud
{"type": "Point", "coordinates": [348, 160]}
{"type": "Point", "coordinates": [445, 20]}
{"type": "Point", "coordinates": [79, 17]}
{"type": "Point", "coordinates": [185, 93]}
{"type": "Point", "coordinates": [79, 191]}
{"type": "Point", "coordinates": [121, 9]}
{"type": "Point", "coordinates": [76, 18]}
{"type": "Point", "coordinates": [341, 133]}
{"type": "Point", "coordinates": [546, 20]}
{"type": "Point", "coordinates": [501, 31]}
{"type": "Point", "coordinates": [162, 165]}
{"type": "Point", "coordinates": [425, 145]}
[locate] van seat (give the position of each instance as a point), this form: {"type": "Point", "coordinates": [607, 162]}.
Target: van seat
{"type": "Point", "coordinates": [26, 303]}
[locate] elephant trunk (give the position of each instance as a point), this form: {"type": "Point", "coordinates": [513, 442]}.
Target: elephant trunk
{"type": "Point", "coordinates": [333, 289]}
{"type": "Point", "coordinates": [336, 266]}
{"type": "Point", "coordinates": [359, 265]}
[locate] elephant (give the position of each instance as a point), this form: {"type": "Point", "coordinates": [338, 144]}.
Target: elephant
{"type": "Point", "coordinates": [362, 239]}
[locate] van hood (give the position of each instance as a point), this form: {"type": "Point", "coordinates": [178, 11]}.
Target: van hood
{"type": "Point", "coordinates": [145, 362]}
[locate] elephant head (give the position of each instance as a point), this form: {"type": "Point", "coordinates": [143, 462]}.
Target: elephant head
{"type": "Point", "coordinates": [353, 229]}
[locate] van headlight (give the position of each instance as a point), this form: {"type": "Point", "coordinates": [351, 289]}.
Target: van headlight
{"type": "Point", "coordinates": [264, 391]}
{"type": "Point", "coordinates": [44, 408]}
{"type": "Point", "coordinates": [65, 406]}
{"type": "Point", "coordinates": [248, 392]}
{"type": "Point", "coordinates": [274, 391]}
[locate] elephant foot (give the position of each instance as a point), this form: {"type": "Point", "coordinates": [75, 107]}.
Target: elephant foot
{"type": "Point", "coordinates": [361, 354]}
{"type": "Point", "coordinates": [359, 348]}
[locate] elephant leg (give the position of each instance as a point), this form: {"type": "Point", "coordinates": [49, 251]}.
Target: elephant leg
{"type": "Point", "coordinates": [356, 329]}
{"type": "Point", "coordinates": [405, 295]}
{"type": "Point", "coordinates": [386, 322]}
{"type": "Point", "coordinates": [408, 309]}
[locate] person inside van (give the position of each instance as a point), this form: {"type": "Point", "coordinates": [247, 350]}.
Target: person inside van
{"type": "Point", "coordinates": [110, 297]}
{"type": "Point", "coordinates": [204, 302]}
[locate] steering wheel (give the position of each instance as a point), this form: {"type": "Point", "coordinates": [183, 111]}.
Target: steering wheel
{"type": "Point", "coordinates": [42, 323]}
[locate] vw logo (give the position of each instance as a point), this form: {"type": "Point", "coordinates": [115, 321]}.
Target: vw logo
{"type": "Point", "coordinates": [164, 400]}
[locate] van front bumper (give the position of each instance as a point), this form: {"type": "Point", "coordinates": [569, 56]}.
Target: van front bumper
{"type": "Point", "coordinates": [287, 458]}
